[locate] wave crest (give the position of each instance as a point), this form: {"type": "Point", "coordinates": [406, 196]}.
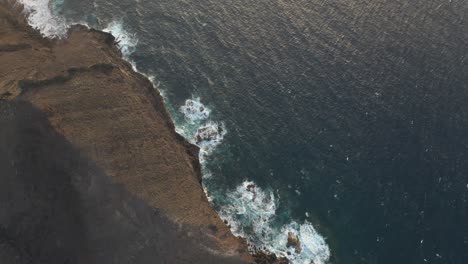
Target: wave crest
{"type": "Point", "coordinates": [210, 135]}
{"type": "Point", "coordinates": [41, 18]}
{"type": "Point", "coordinates": [194, 110]}
{"type": "Point", "coordinates": [125, 41]}
{"type": "Point", "coordinates": [251, 213]}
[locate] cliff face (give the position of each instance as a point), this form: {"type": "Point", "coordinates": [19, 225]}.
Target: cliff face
{"type": "Point", "coordinates": [91, 169]}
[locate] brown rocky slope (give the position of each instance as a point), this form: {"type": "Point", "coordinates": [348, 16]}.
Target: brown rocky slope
{"type": "Point", "coordinates": [91, 169]}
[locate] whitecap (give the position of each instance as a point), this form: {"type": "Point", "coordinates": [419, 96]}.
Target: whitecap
{"type": "Point", "coordinates": [41, 18]}
{"type": "Point", "coordinates": [208, 136]}
{"type": "Point", "coordinates": [250, 207]}
{"type": "Point", "coordinates": [314, 243]}
{"type": "Point", "coordinates": [197, 127]}
{"type": "Point", "coordinates": [251, 213]}
{"type": "Point", "coordinates": [194, 110]}
{"type": "Point", "coordinates": [125, 40]}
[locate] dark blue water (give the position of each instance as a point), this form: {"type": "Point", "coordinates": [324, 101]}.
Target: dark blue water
{"type": "Point", "coordinates": [351, 116]}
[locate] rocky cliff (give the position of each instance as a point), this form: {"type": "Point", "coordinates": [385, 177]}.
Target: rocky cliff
{"type": "Point", "coordinates": [91, 169]}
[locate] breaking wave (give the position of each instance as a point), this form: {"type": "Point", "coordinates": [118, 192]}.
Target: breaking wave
{"type": "Point", "coordinates": [198, 129]}
{"type": "Point", "coordinates": [251, 213]}
{"type": "Point", "coordinates": [125, 41]}
{"type": "Point", "coordinates": [249, 210]}
{"type": "Point", "coordinates": [194, 110]}
{"type": "Point", "coordinates": [41, 18]}
{"type": "Point", "coordinates": [209, 136]}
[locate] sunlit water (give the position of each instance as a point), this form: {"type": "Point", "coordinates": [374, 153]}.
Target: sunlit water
{"type": "Point", "coordinates": [342, 122]}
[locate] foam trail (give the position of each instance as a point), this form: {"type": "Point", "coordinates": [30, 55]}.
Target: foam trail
{"type": "Point", "coordinates": [251, 212]}
{"type": "Point", "coordinates": [41, 18]}
{"type": "Point", "coordinates": [126, 41]}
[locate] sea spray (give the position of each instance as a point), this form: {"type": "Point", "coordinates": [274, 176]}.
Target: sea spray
{"type": "Point", "coordinates": [251, 213]}
{"type": "Point", "coordinates": [126, 41]}
{"type": "Point", "coordinates": [249, 210]}
{"type": "Point", "coordinates": [52, 25]}
{"type": "Point", "coordinates": [41, 18]}
{"type": "Point", "coordinates": [198, 129]}
{"type": "Point", "coordinates": [194, 110]}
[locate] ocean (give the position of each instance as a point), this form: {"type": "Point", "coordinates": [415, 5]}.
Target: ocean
{"type": "Point", "coordinates": [342, 122]}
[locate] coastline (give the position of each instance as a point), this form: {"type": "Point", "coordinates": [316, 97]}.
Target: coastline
{"type": "Point", "coordinates": [356, 81]}
{"type": "Point", "coordinates": [216, 236]}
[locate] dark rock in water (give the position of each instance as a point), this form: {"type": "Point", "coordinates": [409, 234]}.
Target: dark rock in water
{"type": "Point", "coordinates": [293, 241]}
{"type": "Point", "coordinates": [208, 133]}
{"type": "Point", "coordinates": [91, 168]}
{"type": "Point", "coordinates": [194, 110]}
{"type": "Point", "coordinates": [250, 187]}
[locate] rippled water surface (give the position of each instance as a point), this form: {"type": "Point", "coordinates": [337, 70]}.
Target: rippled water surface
{"type": "Point", "coordinates": [344, 122]}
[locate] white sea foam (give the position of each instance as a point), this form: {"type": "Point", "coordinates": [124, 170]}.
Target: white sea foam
{"type": "Point", "coordinates": [41, 18]}
{"type": "Point", "coordinates": [194, 110]}
{"type": "Point", "coordinates": [209, 136]}
{"type": "Point", "coordinates": [198, 129]}
{"type": "Point", "coordinates": [251, 212]}
{"type": "Point", "coordinates": [248, 206]}
{"type": "Point", "coordinates": [125, 40]}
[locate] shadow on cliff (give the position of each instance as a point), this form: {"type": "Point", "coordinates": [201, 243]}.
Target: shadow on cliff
{"type": "Point", "coordinates": [57, 206]}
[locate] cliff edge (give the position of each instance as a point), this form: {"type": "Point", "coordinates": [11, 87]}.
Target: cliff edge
{"type": "Point", "coordinates": [91, 169]}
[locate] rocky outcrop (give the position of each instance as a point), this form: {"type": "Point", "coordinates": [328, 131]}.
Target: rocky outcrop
{"type": "Point", "coordinates": [293, 241]}
{"type": "Point", "coordinates": [92, 170]}
{"type": "Point", "coordinates": [263, 257]}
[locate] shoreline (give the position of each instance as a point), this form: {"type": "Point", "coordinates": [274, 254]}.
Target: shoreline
{"type": "Point", "coordinates": [156, 99]}
{"type": "Point", "coordinates": [192, 150]}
